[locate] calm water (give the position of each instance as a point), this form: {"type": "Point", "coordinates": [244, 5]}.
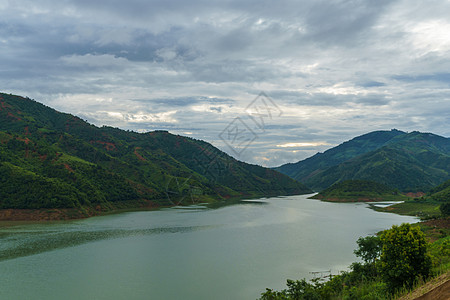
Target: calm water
{"type": "Point", "coordinates": [233, 252]}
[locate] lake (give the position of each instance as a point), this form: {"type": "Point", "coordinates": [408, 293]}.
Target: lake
{"type": "Point", "coordinates": [232, 252]}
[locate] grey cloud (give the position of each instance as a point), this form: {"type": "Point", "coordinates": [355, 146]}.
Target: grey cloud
{"type": "Point", "coordinates": [185, 101]}
{"type": "Point", "coordinates": [369, 84]}
{"type": "Point", "coordinates": [356, 66]}
{"type": "Point", "coordinates": [443, 77]}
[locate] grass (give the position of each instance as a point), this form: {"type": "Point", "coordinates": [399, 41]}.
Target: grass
{"type": "Point", "coordinates": [69, 158]}
{"type": "Point", "coordinates": [437, 233]}
{"type": "Point", "coordinates": [424, 210]}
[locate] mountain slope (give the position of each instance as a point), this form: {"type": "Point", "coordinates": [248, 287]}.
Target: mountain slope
{"type": "Point", "coordinates": [359, 145]}
{"type": "Point", "coordinates": [51, 159]}
{"type": "Point", "coordinates": [410, 162]}
{"type": "Point", "coordinates": [441, 193]}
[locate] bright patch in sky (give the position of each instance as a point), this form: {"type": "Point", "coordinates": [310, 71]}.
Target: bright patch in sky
{"type": "Point", "coordinates": [298, 145]}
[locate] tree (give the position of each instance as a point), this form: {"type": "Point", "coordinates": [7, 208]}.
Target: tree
{"type": "Point", "coordinates": [445, 209]}
{"type": "Point", "coordinates": [403, 256]}
{"type": "Point", "coordinates": [369, 248]}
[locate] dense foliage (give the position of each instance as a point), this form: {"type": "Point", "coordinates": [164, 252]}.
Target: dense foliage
{"type": "Point", "coordinates": [50, 159]}
{"type": "Point", "coordinates": [354, 190]}
{"type": "Point", "coordinates": [410, 162]}
{"type": "Point", "coordinates": [403, 257]}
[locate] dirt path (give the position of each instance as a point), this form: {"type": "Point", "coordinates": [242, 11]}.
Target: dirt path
{"type": "Point", "coordinates": [436, 289]}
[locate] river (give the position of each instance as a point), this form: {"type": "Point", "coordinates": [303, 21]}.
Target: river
{"type": "Point", "coordinates": [232, 252]}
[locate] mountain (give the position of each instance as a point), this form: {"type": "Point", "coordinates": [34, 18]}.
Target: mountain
{"type": "Point", "coordinates": [410, 162]}
{"type": "Point", "coordinates": [50, 159]}
{"type": "Point", "coordinates": [339, 154]}
{"type": "Point", "coordinates": [358, 190]}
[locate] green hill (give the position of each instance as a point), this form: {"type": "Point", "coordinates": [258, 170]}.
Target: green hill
{"type": "Point", "coordinates": [304, 169]}
{"type": "Point", "coordinates": [441, 193]}
{"type": "Point", "coordinates": [50, 159]}
{"type": "Point", "coordinates": [410, 162]}
{"type": "Point", "coordinates": [358, 190]}
{"type": "Point", "coordinates": [435, 204]}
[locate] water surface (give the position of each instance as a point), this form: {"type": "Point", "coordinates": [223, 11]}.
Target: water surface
{"type": "Point", "coordinates": [233, 252]}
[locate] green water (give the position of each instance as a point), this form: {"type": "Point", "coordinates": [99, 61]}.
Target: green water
{"type": "Point", "coordinates": [233, 252]}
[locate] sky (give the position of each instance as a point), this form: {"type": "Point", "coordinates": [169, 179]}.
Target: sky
{"type": "Point", "coordinates": [268, 82]}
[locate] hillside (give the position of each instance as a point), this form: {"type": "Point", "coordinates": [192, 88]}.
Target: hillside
{"type": "Point", "coordinates": [410, 162]}
{"type": "Point", "coordinates": [50, 159]}
{"type": "Point", "coordinates": [358, 190]}
{"type": "Point", "coordinates": [359, 145]}
{"type": "Point", "coordinates": [441, 193]}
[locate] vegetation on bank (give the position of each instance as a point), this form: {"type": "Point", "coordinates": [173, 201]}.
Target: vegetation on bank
{"type": "Point", "coordinates": [430, 206]}
{"type": "Point", "coordinates": [393, 262]}
{"type": "Point", "coordinates": [359, 190]}
{"type": "Point", "coordinates": [55, 160]}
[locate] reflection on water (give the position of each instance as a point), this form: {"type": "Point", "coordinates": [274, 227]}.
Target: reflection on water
{"type": "Point", "coordinates": [229, 252]}
{"type": "Point", "coordinates": [385, 203]}
{"type": "Point", "coordinates": [22, 243]}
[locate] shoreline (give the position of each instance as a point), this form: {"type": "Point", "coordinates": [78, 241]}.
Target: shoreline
{"type": "Point", "coordinates": [19, 215]}
{"type": "Point", "coordinates": [12, 215]}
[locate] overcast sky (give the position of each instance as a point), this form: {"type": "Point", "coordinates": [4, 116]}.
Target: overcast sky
{"type": "Point", "coordinates": [331, 70]}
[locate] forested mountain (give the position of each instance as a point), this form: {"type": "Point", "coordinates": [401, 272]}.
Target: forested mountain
{"type": "Point", "coordinates": [410, 162]}
{"type": "Point", "coordinates": [365, 143]}
{"type": "Point", "coordinates": [50, 159]}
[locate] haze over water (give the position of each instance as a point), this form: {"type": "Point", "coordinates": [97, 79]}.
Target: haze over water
{"type": "Point", "coordinates": [233, 252]}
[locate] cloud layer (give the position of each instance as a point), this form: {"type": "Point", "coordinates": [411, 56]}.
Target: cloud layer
{"type": "Point", "coordinates": [333, 69]}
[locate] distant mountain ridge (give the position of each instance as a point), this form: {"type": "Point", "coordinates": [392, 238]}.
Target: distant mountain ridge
{"type": "Point", "coordinates": [50, 159]}
{"type": "Point", "coordinates": [410, 162]}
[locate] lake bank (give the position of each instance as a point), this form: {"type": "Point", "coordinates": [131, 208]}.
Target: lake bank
{"type": "Point", "coordinates": [65, 214]}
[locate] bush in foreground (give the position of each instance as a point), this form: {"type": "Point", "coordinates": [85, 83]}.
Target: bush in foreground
{"type": "Point", "coordinates": [395, 260]}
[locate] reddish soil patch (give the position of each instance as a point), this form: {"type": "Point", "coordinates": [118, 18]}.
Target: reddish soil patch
{"type": "Point", "coordinates": [68, 167]}
{"type": "Point", "coordinates": [138, 155]}
{"type": "Point", "coordinates": [4, 105]}
{"type": "Point", "coordinates": [415, 195]}
{"type": "Point", "coordinates": [108, 146]}
{"type": "Point", "coordinates": [25, 140]}
{"type": "Point", "coordinates": [26, 131]}
{"type": "Point", "coordinates": [11, 115]}
{"type": "Point", "coordinates": [43, 157]}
